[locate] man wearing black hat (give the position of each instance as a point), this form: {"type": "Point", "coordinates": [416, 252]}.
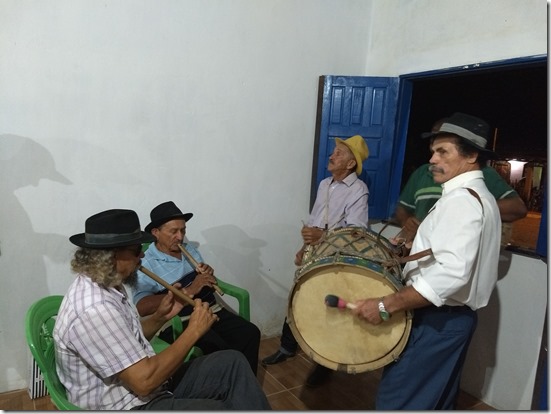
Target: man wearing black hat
{"type": "Point", "coordinates": [164, 258]}
{"type": "Point", "coordinates": [103, 355]}
{"type": "Point", "coordinates": [458, 245]}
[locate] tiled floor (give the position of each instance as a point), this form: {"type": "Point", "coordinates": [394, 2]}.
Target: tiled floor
{"type": "Point", "coordinates": [284, 385]}
{"type": "Point", "coordinates": [20, 401]}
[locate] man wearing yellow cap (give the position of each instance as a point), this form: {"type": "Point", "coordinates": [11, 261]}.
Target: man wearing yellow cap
{"type": "Point", "coordinates": [341, 201]}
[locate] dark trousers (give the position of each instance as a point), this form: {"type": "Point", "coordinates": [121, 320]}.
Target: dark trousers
{"type": "Point", "coordinates": [288, 342]}
{"type": "Point", "coordinates": [427, 374]}
{"type": "Point", "coordinates": [231, 331]}
{"type": "Point", "coordinates": [215, 382]}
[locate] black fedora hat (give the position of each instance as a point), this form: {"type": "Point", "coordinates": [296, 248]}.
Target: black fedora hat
{"type": "Point", "coordinates": [470, 128]}
{"type": "Point", "coordinates": [165, 212]}
{"type": "Point", "coordinates": [111, 228]}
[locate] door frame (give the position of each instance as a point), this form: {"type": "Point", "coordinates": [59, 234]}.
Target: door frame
{"type": "Point", "coordinates": [406, 87]}
{"type": "Point", "coordinates": [407, 84]}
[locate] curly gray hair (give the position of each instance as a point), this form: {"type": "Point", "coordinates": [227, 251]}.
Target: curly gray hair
{"type": "Point", "coordinates": [99, 265]}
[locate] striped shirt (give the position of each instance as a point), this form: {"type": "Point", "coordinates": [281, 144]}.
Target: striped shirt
{"type": "Point", "coordinates": [340, 204]}
{"type": "Point", "coordinates": [97, 335]}
{"type": "Point", "coordinates": [421, 192]}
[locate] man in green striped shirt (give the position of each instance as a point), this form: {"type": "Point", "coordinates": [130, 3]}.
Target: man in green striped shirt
{"type": "Point", "coordinates": [421, 193]}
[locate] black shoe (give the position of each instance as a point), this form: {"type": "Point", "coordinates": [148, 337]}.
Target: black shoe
{"type": "Point", "coordinates": [276, 358]}
{"type": "Point", "coordinates": [318, 376]}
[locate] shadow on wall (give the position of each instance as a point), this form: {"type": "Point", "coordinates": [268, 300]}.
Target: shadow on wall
{"type": "Point", "coordinates": [239, 253]}
{"type": "Point", "coordinates": [481, 357]}
{"type": "Point", "coordinates": [23, 162]}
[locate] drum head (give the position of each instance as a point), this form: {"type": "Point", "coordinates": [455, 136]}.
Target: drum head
{"type": "Point", "coordinates": [334, 337]}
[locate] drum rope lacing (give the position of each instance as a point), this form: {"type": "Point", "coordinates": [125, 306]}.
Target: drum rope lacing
{"type": "Point", "coordinates": [389, 261]}
{"type": "Point", "coordinates": [399, 251]}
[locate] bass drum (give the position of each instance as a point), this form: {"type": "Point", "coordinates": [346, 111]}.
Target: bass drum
{"type": "Point", "coordinates": [350, 267]}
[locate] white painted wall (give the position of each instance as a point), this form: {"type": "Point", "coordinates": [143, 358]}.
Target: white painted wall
{"type": "Point", "coordinates": [408, 36]}
{"type": "Point", "coordinates": [502, 361]}
{"type": "Point", "coordinates": [210, 103]}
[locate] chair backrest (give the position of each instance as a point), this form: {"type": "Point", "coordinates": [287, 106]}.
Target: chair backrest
{"type": "Point", "coordinates": [39, 327]}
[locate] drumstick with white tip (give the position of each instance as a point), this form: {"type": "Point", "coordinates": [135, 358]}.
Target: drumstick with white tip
{"type": "Point", "coordinates": [195, 264]}
{"type": "Point", "coordinates": [334, 301]}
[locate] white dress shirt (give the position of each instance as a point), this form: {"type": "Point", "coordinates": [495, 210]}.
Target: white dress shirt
{"type": "Point", "coordinates": [465, 242]}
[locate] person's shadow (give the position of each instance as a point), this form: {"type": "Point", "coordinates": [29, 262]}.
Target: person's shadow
{"type": "Point", "coordinates": [481, 356]}
{"type": "Point", "coordinates": [23, 162]}
{"type": "Point", "coordinates": [239, 262]}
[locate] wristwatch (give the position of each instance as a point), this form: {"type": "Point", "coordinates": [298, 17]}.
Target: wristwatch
{"type": "Point", "coordinates": [383, 313]}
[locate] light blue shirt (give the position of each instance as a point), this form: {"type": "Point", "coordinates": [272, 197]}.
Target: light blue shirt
{"type": "Point", "coordinates": [171, 270]}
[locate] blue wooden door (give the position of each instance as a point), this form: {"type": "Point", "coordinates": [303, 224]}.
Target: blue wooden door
{"type": "Point", "coordinates": [366, 106]}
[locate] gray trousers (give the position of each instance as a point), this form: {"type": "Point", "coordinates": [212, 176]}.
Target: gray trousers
{"type": "Point", "coordinates": [222, 380]}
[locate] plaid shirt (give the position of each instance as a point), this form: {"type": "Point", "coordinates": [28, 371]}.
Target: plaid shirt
{"type": "Point", "coordinates": [97, 335]}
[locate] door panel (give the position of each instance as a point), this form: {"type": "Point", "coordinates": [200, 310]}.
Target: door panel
{"type": "Point", "coordinates": [357, 105]}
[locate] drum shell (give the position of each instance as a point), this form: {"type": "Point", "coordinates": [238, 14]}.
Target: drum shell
{"type": "Point", "coordinates": [333, 337]}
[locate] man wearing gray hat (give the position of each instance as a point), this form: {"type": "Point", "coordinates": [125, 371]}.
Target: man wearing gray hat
{"type": "Point", "coordinates": [421, 192]}
{"type": "Point", "coordinates": [458, 248]}
{"type": "Point", "coordinates": [103, 355]}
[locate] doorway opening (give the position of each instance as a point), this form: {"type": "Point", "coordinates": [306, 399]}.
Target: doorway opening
{"type": "Point", "coordinates": [512, 98]}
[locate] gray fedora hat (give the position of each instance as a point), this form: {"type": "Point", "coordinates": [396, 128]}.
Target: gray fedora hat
{"type": "Point", "coordinates": [474, 130]}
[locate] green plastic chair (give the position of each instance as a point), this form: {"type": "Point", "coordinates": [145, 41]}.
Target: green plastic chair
{"type": "Point", "coordinates": [177, 328]}
{"type": "Point", "coordinates": [39, 327]}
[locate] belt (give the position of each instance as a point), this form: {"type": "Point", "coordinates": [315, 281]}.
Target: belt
{"type": "Point", "coordinates": [445, 309]}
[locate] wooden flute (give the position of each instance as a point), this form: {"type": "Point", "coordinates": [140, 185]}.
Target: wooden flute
{"type": "Point", "coordinates": [195, 264]}
{"type": "Point", "coordinates": [168, 286]}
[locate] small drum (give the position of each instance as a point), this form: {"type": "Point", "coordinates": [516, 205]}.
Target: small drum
{"type": "Point", "coordinates": [347, 263]}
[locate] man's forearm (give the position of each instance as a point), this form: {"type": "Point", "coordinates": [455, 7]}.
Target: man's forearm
{"type": "Point", "coordinates": [146, 306]}
{"type": "Point", "coordinates": [402, 215]}
{"type": "Point", "coordinates": [151, 324]}
{"type": "Point", "coordinates": [511, 209]}
{"type": "Point", "coordinates": [405, 299]}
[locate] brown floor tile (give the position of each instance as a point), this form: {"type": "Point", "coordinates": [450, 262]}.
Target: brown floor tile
{"type": "Point", "coordinates": [286, 401]}
{"type": "Point", "coordinates": [269, 384]}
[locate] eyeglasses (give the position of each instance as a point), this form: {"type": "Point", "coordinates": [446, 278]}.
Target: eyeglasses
{"type": "Point", "coordinates": [136, 249]}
